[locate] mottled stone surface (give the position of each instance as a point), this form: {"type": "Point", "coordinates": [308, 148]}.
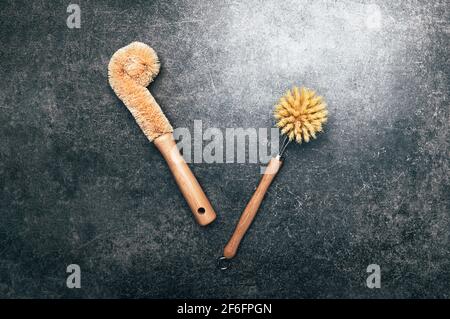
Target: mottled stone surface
{"type": "Point", "coordinates": [79, 183]}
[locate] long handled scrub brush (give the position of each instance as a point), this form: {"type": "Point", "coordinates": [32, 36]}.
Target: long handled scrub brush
{"type": "Point", "coordinates": [300, 115]}
{"type": "Point", "coordinates": [131, 70]}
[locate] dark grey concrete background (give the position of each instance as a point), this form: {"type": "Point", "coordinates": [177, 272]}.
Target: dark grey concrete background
{"type": "Point", "coordinates": [79, 183]}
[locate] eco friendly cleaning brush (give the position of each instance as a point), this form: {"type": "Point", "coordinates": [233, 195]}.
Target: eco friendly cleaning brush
{"type": "Point", "coordinates": [300, 115]}
{"type": "Point", "coordinates": [131, 70]}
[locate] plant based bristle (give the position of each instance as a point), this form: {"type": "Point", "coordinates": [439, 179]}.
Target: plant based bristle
{"type": "Point", "coordinates": [300, 114]}
{"type": "Point", "coordinates": [131, 70]}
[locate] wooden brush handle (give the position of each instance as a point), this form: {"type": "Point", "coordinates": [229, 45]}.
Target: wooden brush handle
{"type": "Point", "coordinates": [252, 208]}
{"type": "Point", "coordinates": [188, 184]}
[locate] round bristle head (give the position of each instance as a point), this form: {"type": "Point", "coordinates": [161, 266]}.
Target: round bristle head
{"type": "Point", "coordinates": [140, 62]}
{"type": "Point", "coordinates": [300, 114]}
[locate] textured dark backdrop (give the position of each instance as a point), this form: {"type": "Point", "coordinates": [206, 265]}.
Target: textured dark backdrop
{"type": "Point", "coordinates": [79, 183]}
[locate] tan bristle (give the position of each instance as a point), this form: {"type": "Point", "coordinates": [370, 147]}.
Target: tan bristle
{"type": "Point", "coordinates": [130, 71]}
{"type": "Point", "coordinates": [300, 114]}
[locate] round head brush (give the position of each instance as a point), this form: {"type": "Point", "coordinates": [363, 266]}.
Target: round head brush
{"type": "Point", "coordinates": [300, 115]}
{"type": "Point", "coordinates": [131, 70]}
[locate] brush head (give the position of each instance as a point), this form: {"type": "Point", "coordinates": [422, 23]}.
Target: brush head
{"type": "Point", "coordinates": [130, 71]}
{"type": "Point", "coordinates": [300, 114]}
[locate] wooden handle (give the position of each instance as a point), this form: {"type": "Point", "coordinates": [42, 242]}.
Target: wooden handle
{"type": "Point", "coordinates": [188, 184]}
{"type": "Point", "coordinates": [252, 208]}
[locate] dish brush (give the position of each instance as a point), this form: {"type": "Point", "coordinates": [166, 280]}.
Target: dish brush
{"type": "Point", "coordinates": [130, 70]}
{"type": "Point", "coordinates": [300, 115]}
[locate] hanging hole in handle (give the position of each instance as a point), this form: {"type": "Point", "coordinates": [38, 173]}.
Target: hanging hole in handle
{"type": "Point", "coordinates": [201, 210]}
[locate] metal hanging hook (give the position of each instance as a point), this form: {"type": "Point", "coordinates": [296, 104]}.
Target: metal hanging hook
{"type": "Point", "coordinates": [223, 263]}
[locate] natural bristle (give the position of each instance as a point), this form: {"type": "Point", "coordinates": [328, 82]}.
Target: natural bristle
{"type": "Point", "coordinates": [300, 114]}
{"type": "Point", "coordinates": [130, 71]}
